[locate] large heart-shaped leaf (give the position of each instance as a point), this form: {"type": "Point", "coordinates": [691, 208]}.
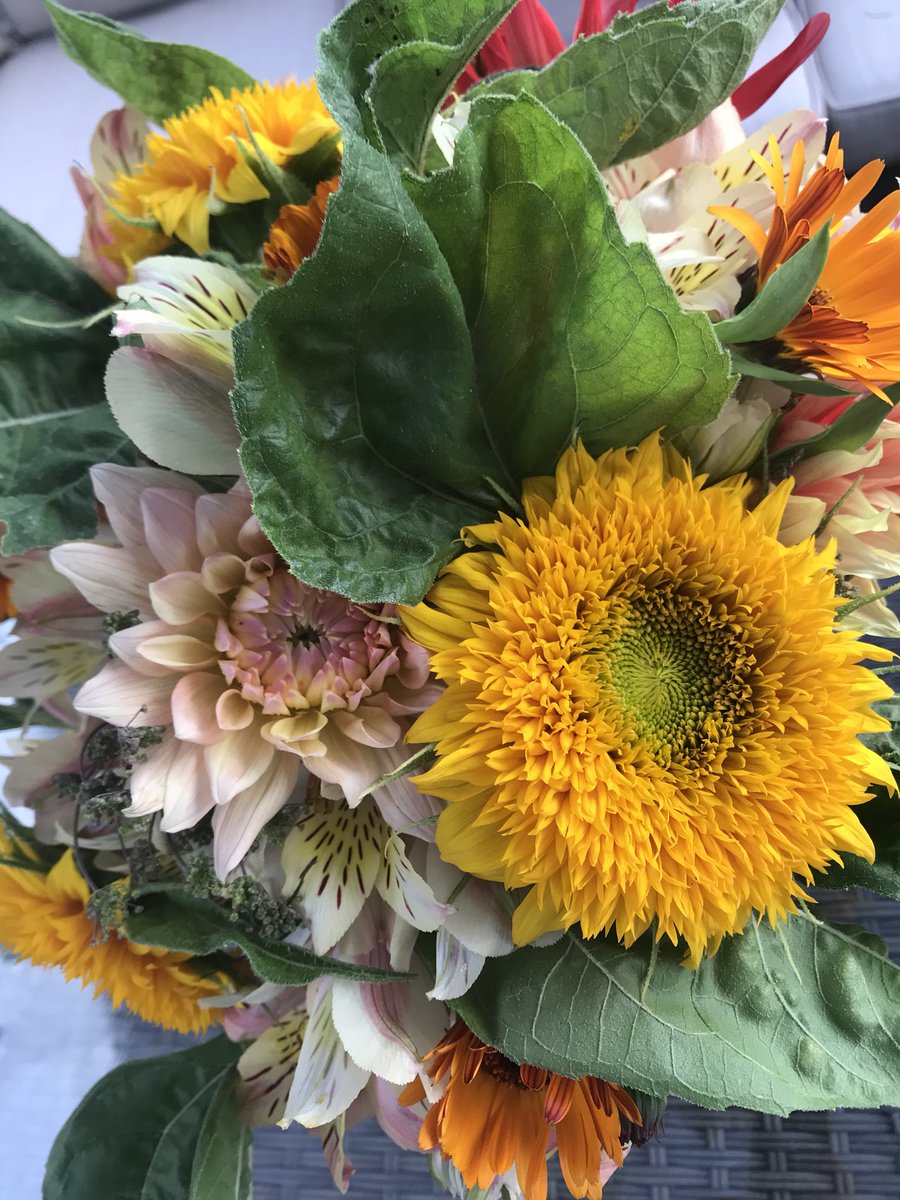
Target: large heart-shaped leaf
{"type": "Point", "coordinates": [54, 420]}
{"type": "Point", "coordinates": [572, 327]}
{"type": "Point", "coordinates": [416, 370]}
{"type": "Point", "coordinates": [803, 1017]}
{"type": "Point", "coordinates": [147, 1128]}
{"type": "Point", "coordinates": [650, 77]}
{"type": "Point", "coordinates": [159, 78]}
{"type": "Point", "coordinates": [176, 920]}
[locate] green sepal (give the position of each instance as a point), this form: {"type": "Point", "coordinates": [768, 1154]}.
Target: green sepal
{"type": "Point", "coordinates": [782, 297]}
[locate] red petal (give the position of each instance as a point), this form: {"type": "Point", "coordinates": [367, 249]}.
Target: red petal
{"type": "Point", "coordinates": [531, 35]}
{"type": "Point", "coordinates": [527, 38]}
{"type": "Point", "coordinates": [758, 87]}
{"type": "Point", "coordinates": [597, 15]}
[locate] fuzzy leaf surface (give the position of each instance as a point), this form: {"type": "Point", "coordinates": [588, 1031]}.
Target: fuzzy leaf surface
{"type": "Point", "coordinates": [160, 78]}
{"type": "Point", "coordinates": [573, 329]}
{"type": "Point", "coordinates": [54, 419]}
{"type": "Point", "coordinates": [805, 1017]}
{"type": "Point", "coordinates": [650, 77]}
{"type": "Point", "coordinates": [176, 920]}
{"type": "Point", "coordinates": [393, 64]}
{"type": "Point", "coordinates": [356, 399]}
{"type": "Point", "coordinates": [137, 1132]}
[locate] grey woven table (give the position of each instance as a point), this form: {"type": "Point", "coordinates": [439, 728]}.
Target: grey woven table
{"type": "Point", "coordinates": [54, 1043]}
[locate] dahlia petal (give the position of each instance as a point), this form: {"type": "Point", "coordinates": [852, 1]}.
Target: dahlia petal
{"type": "Point", "coordinates": [237, 824]}
{"type": "Point", "coordinates": [114, 579]}
{"type": "Point", "coordinates": [122, 697]}
{"type": "Point", "coordinates": [178, 651]}
{"type": "Point", "coordinates": [327, 1080]}
{"type": "Point", "coordinates": [119, 490]}
{"type": "Point", "coordinates": [456, 968]}
{"type": "Point", "coordinates": [332, 889]}
{"type": "Point", "coordinates": [171, 415]}
{"type": "Point", "coordinates": [219, 520]}
{"type": "Point", "coordinates": [401, 886]}
{"type": "Point", "coordinates": [170, 528]}
{"type": "Point", "coordinates": [181, 597]}
{"type": "Point", "coordinates": [597, 15]}
{"type": "Point", "coordinates": [126, 644]}
{"type": "Point", "coordinates": [350, 765]}
{"type": "Point", "coordinates": [172, 780]}
{"type": "Point", "coordinates": [222, 573]}
{"type": "Point", "coordinates": [237, 761]}
{"type": "Point", "coordinates": [194, 703]}
{"type": "Point", "coordinates": [369, 725]}
{"type": "Point", "coordinates": [531, 36]}
{"type": "Point", "coordinates": [233, 711]}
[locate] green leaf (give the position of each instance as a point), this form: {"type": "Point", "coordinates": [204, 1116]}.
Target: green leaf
{"type": "Point", "coordinates": [881, 817]}
{"type": "Point", "coordinates": [398, 63]}
{"type": "Point", "coordinates": [803, 1017]}
{"type": "Point", "coordinates": [651, 77]}
{"type": "Point", "coordinates": [356, 399]}
{"type": "Point", "coordinates": [782, 297]}
{"type": "Point", "coordinates": [804, 384]}
{"type": "Point", "coordinates": [175, 920]}
{"type": "Point", "coordinates": [223, 1159]}
{"type": "Point", "coordinates": [54, 419]}
{"type": "Point", "coordinates": [137, 1132]}
{"type": "Point", "coordinates": [572, 327]}
{"type": "Point", "coordinates": [852, 429]}
{"type": "Point", "coordinates": [159, 78]}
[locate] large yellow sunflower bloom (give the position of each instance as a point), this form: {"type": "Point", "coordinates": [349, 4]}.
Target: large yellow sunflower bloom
{"type": "Point", "coordinates": [648, 713]}
{"type": "Point", "coordinates": [849, 330]}
{"type": "Point", "coordinates": [205, 154]}
{"type": "Point", "coordinates": [44, 918]}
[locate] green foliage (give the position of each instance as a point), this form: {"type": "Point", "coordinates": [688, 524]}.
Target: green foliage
{"type": "Point", "coordinates": [386, 67]}
{"type": "Point", "coordinates": [650, 77]}
{"type": "Point", "coordinates": [881, 817]}
{"type": "Point", "coordinates": [417, 368]}
{"type": "Point", "coordinates": [158, 78]}
{"type": "Point", "coordinates": [159, 1129]}
{"type": "Point", "coordinates": [572, 327]}
{"type": "Point", "coordinates": [793, 381]}
{"type": "Point", "coordinates": [54, 420]}
{"type": "Point", "coordinates": [782, 297]}
{"type": "Point", "coordinates": [175, 920]}
{"type": "Point", "coordinates": [806, 1016]}
{"type": "Point", "coordinates": [852, 429]}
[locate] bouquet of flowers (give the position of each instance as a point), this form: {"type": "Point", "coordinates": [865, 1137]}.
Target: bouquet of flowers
{"type": "Point", "coordinates": [443, 510]}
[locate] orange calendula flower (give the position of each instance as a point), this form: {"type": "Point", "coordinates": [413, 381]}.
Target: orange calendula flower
{"type": "Point", "coordinates": [44, 918]}
{"type": "Point", "coordinates": [295, 234]}
{"type": "Point", "coordinates": [850, 328]}
{"type": "Point", "coordinates": [495, 1114]}
{"type": "Point", "coordinates": [7, 608]}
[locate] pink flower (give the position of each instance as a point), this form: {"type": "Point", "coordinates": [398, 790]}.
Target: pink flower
{"type": "Point", "coordinates": [863, 486]}
{"type": "Point", "coordinates": [258, 677]}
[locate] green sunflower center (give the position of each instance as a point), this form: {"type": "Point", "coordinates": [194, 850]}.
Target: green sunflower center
{"type": "Point", "coordinates": [677, 672]}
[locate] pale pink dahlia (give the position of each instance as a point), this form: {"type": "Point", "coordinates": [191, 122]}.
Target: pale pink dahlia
{"type": "Point", "coordinates": [257, 675]}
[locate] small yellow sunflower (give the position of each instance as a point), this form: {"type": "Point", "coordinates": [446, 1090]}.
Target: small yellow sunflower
{"type": "Point", "coordinates": [44, 918]}
{"type": "Point", "coordinates": [649, 714]}
{"type": "Point", "coordinates": [206, 154]}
